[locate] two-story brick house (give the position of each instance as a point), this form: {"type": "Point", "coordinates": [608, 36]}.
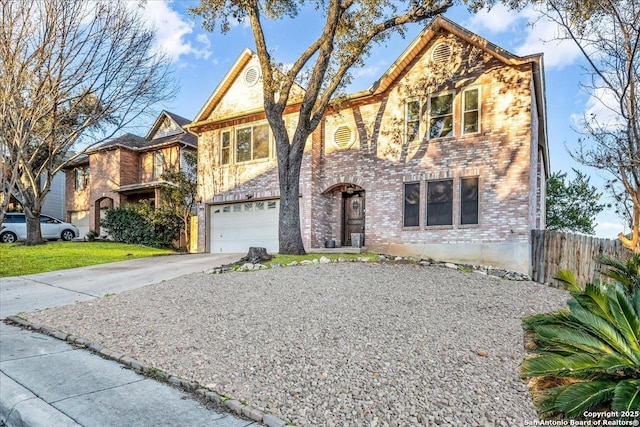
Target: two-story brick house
{"type": "Point", "coordinates": [126, 169]}
{"type": "Point", "coordinates": [445, 156]}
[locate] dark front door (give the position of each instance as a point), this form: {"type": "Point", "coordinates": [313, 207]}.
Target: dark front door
{"type": "Point", "coordinates": [354, 209]}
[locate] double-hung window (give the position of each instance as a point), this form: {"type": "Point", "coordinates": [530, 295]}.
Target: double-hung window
{"type": "Point", "coordinates": [441, 115]}
{"type": "Point", "coordinates": [252, 143]}
{"type": "Point", "coordinates": [471, 111]}
{"type": "Point", "coordinates": [411, 217]}
{"type": "Point", "coordinates": [158, 164]}
{"type": "Point", "coordinates": [82, 178]}
{"type": "Point", "coordinates": [225, 148]}
{"type": "Point", "coordinates": [440, 202]}
{"type": "Point", "coordinates": [412, 120]}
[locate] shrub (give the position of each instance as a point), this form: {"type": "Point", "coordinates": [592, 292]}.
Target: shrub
{"type": "Point", "coordinates": [590, 353]}
{"type": "Point", "coordinates": [143, 225]}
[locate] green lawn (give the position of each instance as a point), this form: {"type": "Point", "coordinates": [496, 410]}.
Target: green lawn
{"type": "Point", "coordinates": [17, 259]}
{"type": "Point", "coordinates": [286, 259]}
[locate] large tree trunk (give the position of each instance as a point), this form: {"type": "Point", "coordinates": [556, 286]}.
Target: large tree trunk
{"type": "Point", "coordinates": [34, 233]}
{"type": "Point", "coordinates": [289, 164]}
{"type": "Point", "coordinates": [289, 232]}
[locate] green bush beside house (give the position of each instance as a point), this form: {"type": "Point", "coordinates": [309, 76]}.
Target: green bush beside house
{"type": "Point", "coordinates": [143, 225]}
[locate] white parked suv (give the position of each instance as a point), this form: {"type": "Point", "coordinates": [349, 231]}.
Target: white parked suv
{"type": "Point", "coordinates": [14, 228]}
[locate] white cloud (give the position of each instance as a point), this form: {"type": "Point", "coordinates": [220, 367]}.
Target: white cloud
{"type": "Point", "coordinates": [527, 32]}
{"type": "Point", "coordinates": [601, 109]}
{"type": "Point", "coordinates": [372, 72]}
{"type": "Point", "coordinates": [541, 36]}
{"type": "Point", "coordinates": [173, 31]}
{"type": "Point", "coordinates": [609, 230]}
{"type": "Point", "coordinates": [497, 20]}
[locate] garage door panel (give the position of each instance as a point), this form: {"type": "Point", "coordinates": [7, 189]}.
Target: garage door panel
{"type": "Point", "coordinates": [81, 220]}
{"type": "Point", "coordinates": [237, 227]}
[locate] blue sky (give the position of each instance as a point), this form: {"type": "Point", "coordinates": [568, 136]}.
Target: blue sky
{"type": "Point", "coordinates": [201, 59]}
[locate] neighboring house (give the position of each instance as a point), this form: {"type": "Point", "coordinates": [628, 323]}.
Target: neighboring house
{"type": "Point", "coordinates": [126, 169]}
{"type": "Point", "coordinates": [445, 156]}
{"type": "Point", "coordinates": [54, 201]}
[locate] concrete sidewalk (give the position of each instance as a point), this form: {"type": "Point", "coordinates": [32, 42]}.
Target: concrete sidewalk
{"type": "Point", "coordinates": [46, 382]}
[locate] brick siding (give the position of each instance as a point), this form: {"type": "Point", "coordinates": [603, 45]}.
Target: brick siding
{"type": "Point", "coordinates": [503, 155]}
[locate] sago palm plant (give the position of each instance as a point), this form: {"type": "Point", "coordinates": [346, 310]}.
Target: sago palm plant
{"type": "Point", "coordinates": [590, 352]}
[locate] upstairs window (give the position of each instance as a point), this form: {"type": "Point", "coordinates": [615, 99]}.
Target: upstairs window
{"type": "Point", "coordinates": [469, 200]}
{"type": "Point", "coordinates": [82, 178]}
{"type": "Point", "coordinates": [471, 111]}
{"type": "Point", "coordinates": [252, 143]}
{"type": "Point", "coordinates": [441, 116]}
{"type": "Point", "coordinates": [440, 202]}
{"type": "Point", "coordinates": [411, 217]}
{"type": "Point", "coordinates": [412, 120]}
{"type": "Point", "coordinates": [158, 164]}
{"type": "Point", "coordinates": [225, 148]}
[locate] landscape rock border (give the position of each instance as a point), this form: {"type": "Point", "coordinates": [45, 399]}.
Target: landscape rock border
{"type": "Point", "coordinates": [232, 405]}
{"type": "Point", "coordinates": [381, 258]}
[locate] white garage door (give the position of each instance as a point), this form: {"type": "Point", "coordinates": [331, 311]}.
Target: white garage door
{"type": "Point", "coordinates": [238, 226]}
{"type": "Point", "coordinates": [81, 220]}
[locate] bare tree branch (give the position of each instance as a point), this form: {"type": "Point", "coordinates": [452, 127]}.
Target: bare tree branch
{"type": "Point", "coordinates": [73, 74]}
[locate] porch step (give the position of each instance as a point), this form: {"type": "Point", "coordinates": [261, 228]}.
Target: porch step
{"type": "Point", "coordinates": [341, 250]}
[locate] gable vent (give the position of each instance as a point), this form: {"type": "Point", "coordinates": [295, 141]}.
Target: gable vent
{"type": "Point", "coordinates": [251, 76]}
{"type": "Point", "coordinates": [441, 52]}
{"type": "Point", "coordinates": [343, 137]}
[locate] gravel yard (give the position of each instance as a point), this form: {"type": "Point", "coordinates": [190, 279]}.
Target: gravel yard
{"type": "Point", "coordinates": [336, 344]}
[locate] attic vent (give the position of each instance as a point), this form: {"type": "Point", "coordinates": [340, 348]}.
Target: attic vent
{"type": "Point", "coordinates": [441, 52]}
{"type": "Point", "coordinates": [251, 76]}
{"type": "Point", "coordinates": [343, 137]}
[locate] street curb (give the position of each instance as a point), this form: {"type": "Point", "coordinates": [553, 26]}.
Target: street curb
{"type": "Point", "coordinates": [235, 406]}
{"type": "Point", "coordinates": [19, 407]}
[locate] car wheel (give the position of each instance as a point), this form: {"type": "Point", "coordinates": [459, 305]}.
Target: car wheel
{"type": "Point", "coordinates": [8, 237]}
{"type": "Point", "coordinates": [67, 235]}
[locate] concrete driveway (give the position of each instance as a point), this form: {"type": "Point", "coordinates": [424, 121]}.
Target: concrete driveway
{"type": "Point", "coordinates": [63, 287]}
{"type": "Point", "coordinates": [46, 382]}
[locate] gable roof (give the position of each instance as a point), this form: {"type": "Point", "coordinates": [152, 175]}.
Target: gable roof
{"type": "Point", "coordinates": [226, 82]}
{"type": "Point", "coordinates": [138, 143]}
{"type": "Point", "coordinates": [427, 35]}
{"type": "Point", "coordinates": [164, 115]}
{"type": "Point", "coordinates": [399, 66]}
{"type": "Point", "coordinates": [128, 141]}
{"type": "Point", "coordinates": [441, 23]}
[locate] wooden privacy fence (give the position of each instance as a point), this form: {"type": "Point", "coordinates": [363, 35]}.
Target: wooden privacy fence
{"type": "Point", "coordinates": [552, 251]}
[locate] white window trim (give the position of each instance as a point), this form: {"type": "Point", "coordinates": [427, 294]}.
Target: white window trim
{"type": "Point", "coordinates": [406, 121]}
{"type": "Point", "coordinates": [252, 126]}
{"type": "Point", "coordinates": [231, 150]}
{"type": "Point", "coordinates": [453, 114]}
{"type": "Point", "coordinates": [154, 173]}
{"type": "Point", "coordinates": [462, 123]}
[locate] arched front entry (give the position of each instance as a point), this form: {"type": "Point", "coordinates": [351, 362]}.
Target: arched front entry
{"type": "Point", "coordinates": [353, 217]}
{"type": "Point", "coordinates": [349, 213]}
{"type": "Point", "coordinates": [100, 208]}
